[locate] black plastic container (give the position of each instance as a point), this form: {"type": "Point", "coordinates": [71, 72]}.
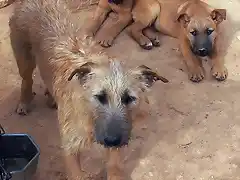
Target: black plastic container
{"type": "Point", "coordinates": [19, 156]}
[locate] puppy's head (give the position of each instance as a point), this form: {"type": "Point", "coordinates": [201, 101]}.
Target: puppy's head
{"type": "Point", "coordinates": [200, 26]}
{"type": "Point", "coordinates": [113, 95]}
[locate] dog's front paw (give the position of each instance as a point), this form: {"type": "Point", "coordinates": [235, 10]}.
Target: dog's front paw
{"type": "Point", "coordinates": [82, 175]}
{"type": "Point", "coordinates": [115, 177]}
{"type": "Point", "coordinates": [23, 109]}
{"type": "Point", "coordinates": [153, 36]}
{"type": "Point", "coordinates": [88, 34]}
{"type": "Point", "coordinates": [145, 43]}
{"type": "Point", "coordinates": [51, 103]}
{"type": "Point", "coordinates": [105, 40]}
{"type": "Point", "coordinates": [115, 174]}
{"type": "Point", "coordinates": [196, 74]}
{"type": "Point", "coordinates": [220, 73]}
{"type": "Point", "coordinates": [156, 42]}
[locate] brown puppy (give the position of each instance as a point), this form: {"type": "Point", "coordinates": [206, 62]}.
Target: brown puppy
{"type": "Point", "coordinates": [122, 8]}
{"type": "Point", "coordinates": [98, 100]}
{"type": "Point", "coordinates": [193, 22]}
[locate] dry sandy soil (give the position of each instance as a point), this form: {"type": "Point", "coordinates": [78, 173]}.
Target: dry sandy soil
{"type": "Point", "coordinates": [193, 131]}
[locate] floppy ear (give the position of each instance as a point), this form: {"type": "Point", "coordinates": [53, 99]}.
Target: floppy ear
{"type": "Point", "coordinates": [218, 15]}
{"type": "Point", "coordinates": [82, 71]}
{"type": "Point", "coordinates": [147, 76]}
{"type": "Point", "coordinates": [184, 19]}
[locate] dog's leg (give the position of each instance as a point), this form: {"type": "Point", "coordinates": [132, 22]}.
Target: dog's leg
{"type": "Point", "coordinates": [194, 65]}
{"type": "Point", "coordinates": [51, 103]}
{"type": "Point", "coordinates": [26, 65]}
{"type": "Point", "coordinates": [98, 19]}
{"type": "Point", "coordinates": [74, 168]}
{"type": "Point", "coordinates": [26, 71]}
{"type": "Point", "coordinates": [144, 15]}
{"type": "Point", "coordinates": [152, 35]}
{"type": "Point", "coordinates": [135, 30]}
{"type": "Point", "coordinates": [107, 36]}
{"type": "Point", "coordinates": [73, 152]}
{"type": "Point", "coordinates": [219, 71]}
{"type": "Point", "coordinates": [114, 164]}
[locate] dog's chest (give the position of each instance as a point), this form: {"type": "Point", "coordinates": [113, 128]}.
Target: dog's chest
{"type": "Point", "coordinates": [206, 58]}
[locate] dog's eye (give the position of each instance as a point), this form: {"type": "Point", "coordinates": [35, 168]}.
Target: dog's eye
{"type": "Point", "coordinates": [209, 31]}
{"type": "Point", "coordinates": [194, 32]}
{"type": "Point", "coordinates": [127, 99]}
{"type": "Point", "coordinates": [102, 97]}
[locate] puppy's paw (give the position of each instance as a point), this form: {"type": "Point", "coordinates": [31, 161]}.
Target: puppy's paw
{"type": "Point", "coordinates": [105, 40]}
{"type": "Point", "coordinates": [23, 109]}
{"type": "Point", "coordinates": [51, 103]}
{"type": "Point", "coordinates": [156, 42]}
{"type": "Point", "coordinates": [115, 177]}
{"type": "Point", "coordinates": [88, 176]}
{"type": "Point", "coordinates": [88, 34]}
{"type": "Point", "coordinates": [115, 174]}
{"type": "Point", "coordinates": [153, 36]}
{"type": "Point", "coordinates": [145, 43]}
{"type": "Point", "coordinates": [196, 74]}
{"type": "Point", "coordinates": [220, 73]}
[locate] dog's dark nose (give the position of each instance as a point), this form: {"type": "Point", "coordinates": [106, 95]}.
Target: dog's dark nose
{"type": "Point", "coordinates": [203, 52]}
{"type": "Point", "coordinates": [112, 141]}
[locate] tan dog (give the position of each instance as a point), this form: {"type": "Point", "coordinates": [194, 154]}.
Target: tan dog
{"type": "Point", "coordinates": [98, 99]}
{"type": "Point", "coordinates": [193, 22]}
{"type": "Point", "coordinates": [122, 8]}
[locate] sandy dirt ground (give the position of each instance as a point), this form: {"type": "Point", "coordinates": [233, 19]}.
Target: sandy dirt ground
{"type": "Point", "coordinates": [193, 130]}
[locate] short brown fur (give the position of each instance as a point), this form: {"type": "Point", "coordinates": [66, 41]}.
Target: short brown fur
{"type": "Point", "coordinates": [104, 7]}
{"type": "Point", "coordinates": [76, 74]}
{"type": "Point", "coordinates": [179, 19]}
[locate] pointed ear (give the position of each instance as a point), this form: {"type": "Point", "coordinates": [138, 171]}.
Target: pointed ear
{"type": "Point", "coordinates": [147, 76]}
{"type": "Point", "coordinates": [218, 15]}
{"type": "Point", "coordinates": [82, 71]}
{"type": "Point", "coordinates": [183, 19]}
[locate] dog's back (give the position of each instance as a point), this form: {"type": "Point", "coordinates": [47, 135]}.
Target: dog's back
{"type": "Point", "coordinates": [42, 33]}
{"type": "Point", "coordinates": [42, 23]}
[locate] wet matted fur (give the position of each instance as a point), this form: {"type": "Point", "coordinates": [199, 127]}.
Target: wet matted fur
{"type": "Point", "coordinates": [98, 99]}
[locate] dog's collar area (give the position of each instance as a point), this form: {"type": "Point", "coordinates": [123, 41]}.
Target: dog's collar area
{"type": "Point", "coordinates": [205, 58]}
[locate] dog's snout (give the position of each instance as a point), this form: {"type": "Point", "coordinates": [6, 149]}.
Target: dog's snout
{"type": "Point", "coordinates": [112, 141]}
{"type": "Point", "coordinates": [113, 135]}
{"type": "Point", "coordinates": [114, 131]}
{"type": "Point", "coordinates": [203, 52]}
